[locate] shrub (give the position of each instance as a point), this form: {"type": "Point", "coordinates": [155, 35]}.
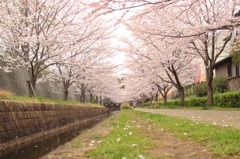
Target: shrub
{"type": "Point", "coordinates": [40, 98]}
{"type": "Point", "coordinates": [5, 94]}
{"type": "Point", "coordinates": [190, 102]}
{"type": "Point", "coordinates": [173, 104]}
{"type": "Point", "coordinates": [220, 85]}
{"type": "Point", "coordinates": [187, 102]}
{"type": "Point", "coordinates": [201, 90]}
{"type": "Point", "coordinates": [229, 99]}
{"type": "Point", "coordinates": [177, 102]}
{"type": "Point", "coordinates": [144, 105]}
{"type": "Point", "coordinates": [198, 101]}
{"type": "Point", "coordinates": [160, 103]}
{"type": "Point", "coordinates": [125, 106]}
{"type": "Point", "coordinates": [93, 100]}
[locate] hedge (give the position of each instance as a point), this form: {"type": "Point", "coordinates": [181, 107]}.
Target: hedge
{"type": "Point", "coordinates": [229, 99]}
{"type": "Point", "coordinates": [197, 101]}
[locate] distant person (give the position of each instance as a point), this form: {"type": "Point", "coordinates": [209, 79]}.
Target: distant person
{"type": "Point", "coordinates": [134, 105]}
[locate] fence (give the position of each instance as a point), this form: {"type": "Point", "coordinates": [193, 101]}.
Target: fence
{"type": "Point", "coordinates": [189, 90]}
{"type": "Point", "coordinates": [17, 83]}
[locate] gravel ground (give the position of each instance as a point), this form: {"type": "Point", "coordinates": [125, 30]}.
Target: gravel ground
{"type": "Point", "coordinates": [222, 118]}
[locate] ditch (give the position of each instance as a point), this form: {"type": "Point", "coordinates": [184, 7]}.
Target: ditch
{"type": "Point", "coordinates": [36, 150]}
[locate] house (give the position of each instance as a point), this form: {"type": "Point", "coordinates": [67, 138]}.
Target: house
{"type": "Point", "coordinates": [226, 68]}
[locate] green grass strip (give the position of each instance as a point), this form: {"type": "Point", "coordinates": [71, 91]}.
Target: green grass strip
{"type": "Point", "coordinates": [124, 141]}
{"type": "Point", "coordinates": [221, 141]}
{"type": "Point", "coordinates": [7, 96]}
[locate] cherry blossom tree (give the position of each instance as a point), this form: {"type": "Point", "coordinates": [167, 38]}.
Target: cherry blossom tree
{"type": "Point", "coordinates": [162, 58]}
{"type": "Point", "coordinates": [37, 33]}
{"type": "Point", "coordinates": [90, 51]}
{"type": "Point", "coordinates": [97, 80]}
{"type": "Point", "coordinates": [206, 25]}
{"type": "Point", "coordinates": [139, 81]}
{"type": "Point", "coordinates": [106, 7]}
{"type": "Point", "coordinates": [163, 88]}
{"type": "Point", "coordinates": [65, 72]}
{"type": "Point", "coordinates": [138, 88]}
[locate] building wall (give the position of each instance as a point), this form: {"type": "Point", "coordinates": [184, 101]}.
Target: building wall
{"type": "Point", "coordinates": [234, 80]}
{"type": "Point", "coordinates": [222, 71]}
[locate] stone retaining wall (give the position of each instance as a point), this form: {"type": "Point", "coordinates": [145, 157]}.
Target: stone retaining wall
{"type": "Point", "coordinates": [24, 123]}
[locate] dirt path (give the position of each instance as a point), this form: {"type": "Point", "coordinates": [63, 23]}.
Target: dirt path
{"type": "Point", "coordinates": [167, 146]}
{"type": "Point", "coordinates": [222, 118]}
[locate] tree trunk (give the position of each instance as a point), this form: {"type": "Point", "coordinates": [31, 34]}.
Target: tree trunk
{"type": "Point", "coordinates": [83, 97]}
{"type": "Point", "coordinates": [80, 98]}
{"type": "Point", "coordinates": [151, 102]}
{"type": "Point", "coordinates": [65, 94]}
{"type": "Point", "coordinates": [32, 82]}
{"type": "Point", "coordinates": [91, 98]}
{"type": "Point", "coordinates": [83, 93]}
{"type": "Point", "coordinates": [97, 99]}
{"type": "Point", "coordinates": [209, 78]}
{"type": "Point", "coordinates": [156, 100]}
{"type": "Point", "coordinates": [165, 100]}
{"type": "Point", "coordinates": [33, 75]}
{"type": "Point", "coordinates": [32, 88]}
{"type": "Point", "coordinates": [142, 102]}
{"type": "Point", "coordinates": [210, 101]}
{"type": "Point", "coordinates": [182, 96]}
{"type": "Point", "coordinates": [101, 100]}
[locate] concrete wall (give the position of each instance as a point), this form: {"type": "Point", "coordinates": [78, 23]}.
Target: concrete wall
{"type": "Point", "coordinates": [16, 82]}
{"type": "Point", "coordinates": [25, 123]}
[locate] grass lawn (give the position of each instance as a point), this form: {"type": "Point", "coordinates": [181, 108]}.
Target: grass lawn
{"type": "Point", "coordinates": [126, 139]}
{"type": "Point", "coordinates": [139, 135]}
{"type": "Point", "coordinates": [194, 108]}
{"type": "Point", "coordinates": [129, 140]}
{"type": "Point", "coordinates": [221, 141]}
